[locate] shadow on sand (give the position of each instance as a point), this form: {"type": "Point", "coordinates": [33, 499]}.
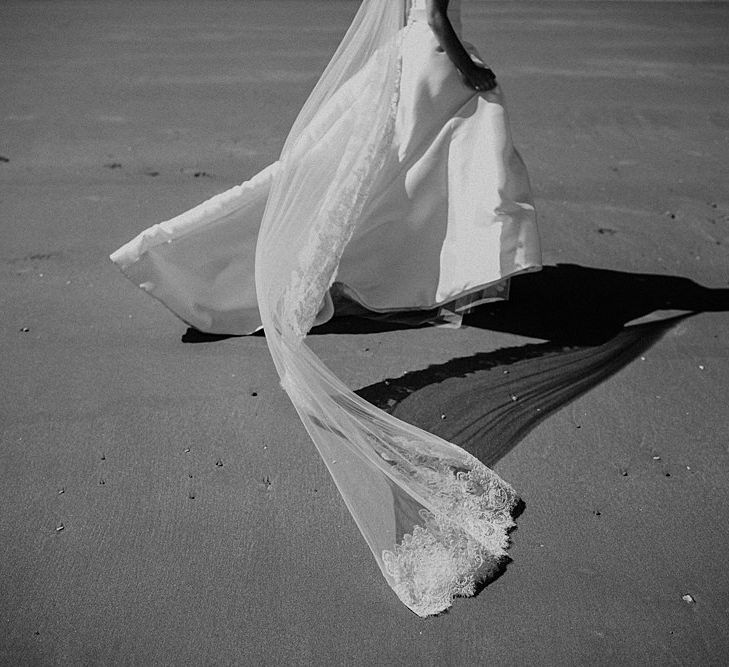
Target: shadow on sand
{"type": "Point", "coordinates": [488, 402]}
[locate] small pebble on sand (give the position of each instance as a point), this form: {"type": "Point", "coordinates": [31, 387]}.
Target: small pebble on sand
{"type": "Point", "coordinates": [688, 599]}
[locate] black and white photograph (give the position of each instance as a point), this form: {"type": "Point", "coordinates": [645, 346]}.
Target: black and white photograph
{"type": "Point", "coordinates": [364, 332]}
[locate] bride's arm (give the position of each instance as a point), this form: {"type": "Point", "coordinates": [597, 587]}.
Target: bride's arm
{"type": "Point", "coordinates": [477, 77]}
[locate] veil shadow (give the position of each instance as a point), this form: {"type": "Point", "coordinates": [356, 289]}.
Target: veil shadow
{"type": "Point", "coordinates": [488, 402]}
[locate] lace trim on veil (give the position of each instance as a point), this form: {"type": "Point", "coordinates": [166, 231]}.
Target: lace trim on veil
{"type": "Point", "coordinates": [463, 536]}
{"type": "Point", "coordinates": [318, 260]}
{"type": "Point", "coordinates": [455, 548]}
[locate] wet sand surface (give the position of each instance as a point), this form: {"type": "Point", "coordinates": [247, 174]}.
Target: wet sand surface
{"type": "Point", "coordinates": [161, 503]}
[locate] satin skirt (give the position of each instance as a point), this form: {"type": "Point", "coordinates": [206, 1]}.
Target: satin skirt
{"type": "Point", "coordinates": [449, 220]}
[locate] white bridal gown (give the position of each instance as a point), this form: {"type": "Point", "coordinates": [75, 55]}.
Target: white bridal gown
{"type": "Point", "coordinates": [450, 219]}
{"type": "Point", "coordinates": [398, 187]}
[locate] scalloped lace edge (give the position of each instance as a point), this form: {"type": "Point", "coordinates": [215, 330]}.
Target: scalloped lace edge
{"type": "Point", "coordinates": [453, 551]}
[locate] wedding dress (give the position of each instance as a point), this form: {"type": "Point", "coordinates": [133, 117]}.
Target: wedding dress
{"type": "Point", "coordinates": [400, 188]}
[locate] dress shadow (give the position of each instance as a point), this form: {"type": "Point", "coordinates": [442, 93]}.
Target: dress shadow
{"type": "Point", "coordinates": [566, 303]}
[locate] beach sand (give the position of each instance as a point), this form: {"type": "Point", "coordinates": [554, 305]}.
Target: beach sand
{"type": "Point", "coordinates": [161, 502]}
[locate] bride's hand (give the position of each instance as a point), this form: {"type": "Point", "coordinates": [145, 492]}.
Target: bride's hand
{"type": "Point", "coordinates": [479, 78]}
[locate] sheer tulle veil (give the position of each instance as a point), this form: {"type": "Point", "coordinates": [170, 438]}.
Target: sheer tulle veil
{"type": "Point", "coordinates": [434, 517]}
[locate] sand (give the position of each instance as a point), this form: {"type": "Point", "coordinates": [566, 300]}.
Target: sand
{"type": "Point", "coordinates": [161, 503]}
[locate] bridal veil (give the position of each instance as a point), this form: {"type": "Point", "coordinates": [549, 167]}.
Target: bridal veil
{"type": "Point", "coordinates": [434, 517]}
